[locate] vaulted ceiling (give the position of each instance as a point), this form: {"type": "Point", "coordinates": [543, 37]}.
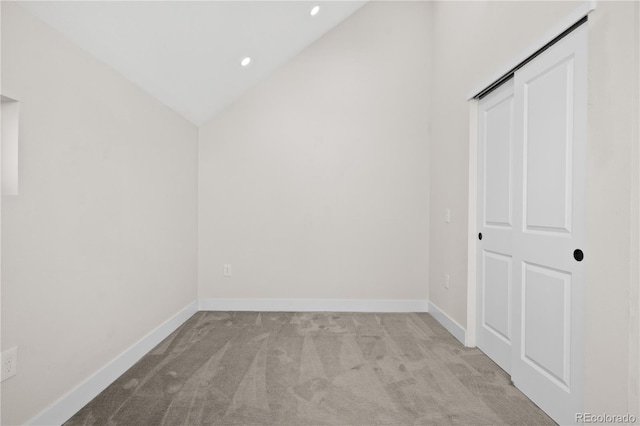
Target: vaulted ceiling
{"type": "Point", "coordinates": [188, 54]}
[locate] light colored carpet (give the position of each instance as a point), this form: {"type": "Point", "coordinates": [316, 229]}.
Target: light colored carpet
{"type": "Point", "coordinates": [273, 368]}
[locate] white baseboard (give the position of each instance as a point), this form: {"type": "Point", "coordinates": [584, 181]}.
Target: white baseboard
{"type": "Point", "coordinates": [447, 322]}
{"type": "Point", "coordinates": [313, 305]}
{"type": "Point", "coordinates": [68, 405]}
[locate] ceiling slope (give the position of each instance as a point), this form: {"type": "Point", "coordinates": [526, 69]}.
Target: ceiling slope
{"type": "Point", "coordinates": [187, 53]}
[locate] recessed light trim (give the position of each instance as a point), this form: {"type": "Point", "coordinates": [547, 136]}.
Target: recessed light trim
{"type": "Point", "coordinates": [314, 10]}
{"type": "Point", "coordinates": [245, 61]}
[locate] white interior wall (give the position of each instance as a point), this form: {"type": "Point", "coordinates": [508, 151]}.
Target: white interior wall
{"type": "Point", "coordinates": [99, 248]}
{"type": "Point", "coordinates": [0, 211]}
{"type": "Point", "coordinates": [612, 231]}
{"type": "Point", "coordinates": [472, 41]}
{"type": "Point", "coordinates": [314, 185]}
{"type": "Point", "coordinates": [634, 320]}
{"type": "Point", "coordinates": [634, 293]}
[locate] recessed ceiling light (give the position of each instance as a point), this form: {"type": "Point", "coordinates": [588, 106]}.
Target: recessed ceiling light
{"type": "Point", "coordinates": [245, 61]}
{"type": "Point", "coordinates": [315, 10]}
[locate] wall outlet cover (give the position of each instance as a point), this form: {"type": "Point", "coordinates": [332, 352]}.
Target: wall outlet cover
{"type": "Point", "coordinates": [9, 363]}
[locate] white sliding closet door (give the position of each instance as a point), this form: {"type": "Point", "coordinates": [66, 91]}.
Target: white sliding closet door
{"type": "Point", "coordinates": [531, 283]}
{"type": "Point", "coordinates": [550, 118]}
{"type": "Point", "coordinates": [495, 198]}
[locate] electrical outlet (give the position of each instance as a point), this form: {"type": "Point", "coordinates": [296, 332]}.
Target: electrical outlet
{"type": "Point", "coordinates": [447, 215]}
{"type": "Point", "coordinates": [227, 270]}
{"type": "Point", "coordinates": [9, 364]}
{"type": "Point", "coordinates": [446, 281]}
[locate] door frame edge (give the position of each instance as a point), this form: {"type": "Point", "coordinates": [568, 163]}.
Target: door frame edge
{"type": "Point", "coordinates": [472, 226]}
